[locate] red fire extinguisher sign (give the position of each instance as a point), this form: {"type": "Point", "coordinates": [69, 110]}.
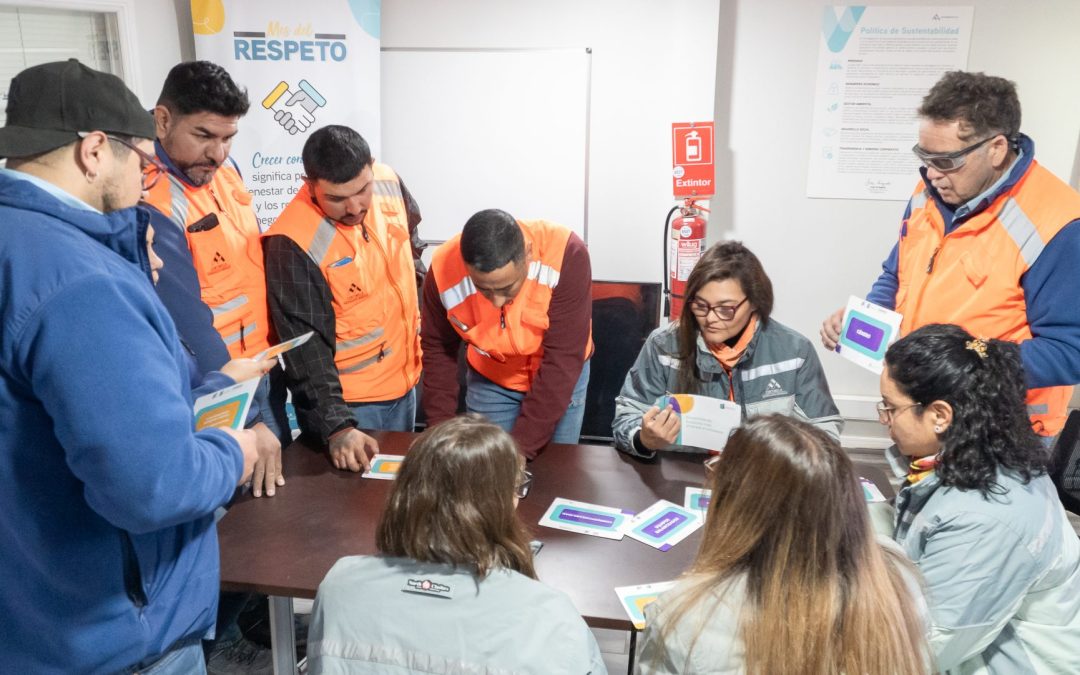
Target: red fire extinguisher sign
{"type": "Point", "coordinates": [692, 159]}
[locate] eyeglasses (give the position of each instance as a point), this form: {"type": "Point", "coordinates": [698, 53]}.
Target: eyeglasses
{"type": "Point", "coordinates": [702, 309]}
{"type": "Point", "coordinates": [885, 413]}
{"type": "Point", "coordinates": [524, 485]}
{"type": "Point", "coordinates": [710, 465]}
{"type": "Point", "coordinates": [152, 169]}
{"type": "Point", "coordinates": [947, 162]}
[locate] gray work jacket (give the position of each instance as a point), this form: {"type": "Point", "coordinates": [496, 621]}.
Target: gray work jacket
{"type": "Point", "coordinates": [778, 373]}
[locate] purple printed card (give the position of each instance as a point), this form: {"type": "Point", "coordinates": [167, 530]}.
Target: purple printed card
{"type": "Point", "coordinates": [664, 524]}
{"type": "Point", "coordinates": [584, 518]}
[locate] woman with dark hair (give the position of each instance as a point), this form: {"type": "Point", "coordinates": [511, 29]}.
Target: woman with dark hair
{"type": "Point", "coordinates": [724, 345]}
{"type": "Point", "coordinates": [454, 589]}
{"type": "Point", "coordinates": [979, 515]}
{"type": "Point", "coordinates": [789, 577]}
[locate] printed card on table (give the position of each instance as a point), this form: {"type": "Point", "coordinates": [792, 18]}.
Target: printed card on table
{"type": "Point", "coordinates": [697, 499]}
{"type": "Point", "coordinates": [867, 331]}
{"type": "Point", "coordinates": [664, 524]}
{"type": "Point", "coordinates": [635, 598]}
{"type": "Point", "coordinates": [870, 491]}
{"type": "Point", "coordinates": [278, 349]}
{"type": "Point", "coordinates": [226, 408]}
{"type": "Point", "coordinates": [706, 422]}
{"type": "Point", "coordinates": [384, 467]}
{"type": "Point", "coordinates": [583, 518]}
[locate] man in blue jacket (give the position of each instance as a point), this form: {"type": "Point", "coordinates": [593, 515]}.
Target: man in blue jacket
{"type": "Point", "coordinates": [107, 538]}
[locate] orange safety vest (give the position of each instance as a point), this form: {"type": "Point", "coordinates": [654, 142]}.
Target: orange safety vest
{"type": "Point", "coordinates": [505, 346]}
{"type": "Point", "coordinates": [228, 258]}
{"type": "Point", "coordinates": [971, 276]}
{"type": "Point", "coordinates": [369, 270]}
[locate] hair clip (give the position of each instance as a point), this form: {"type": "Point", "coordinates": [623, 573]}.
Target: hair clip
{"type": "Point", "coordinates": [978, 345]}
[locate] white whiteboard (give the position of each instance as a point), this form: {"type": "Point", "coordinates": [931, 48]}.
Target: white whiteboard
{"type": "Point", "coordinates": [472, 129]}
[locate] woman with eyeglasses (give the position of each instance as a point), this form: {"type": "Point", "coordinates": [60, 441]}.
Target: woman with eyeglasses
{"type": "Point", "coordinates": [978, 514]}
{"type": "Point", "coordinates": [724, 345]}
{"type": "Point", "coordinates": [789, 577]}
{"type": "Point", "coordinates": [454, 589]}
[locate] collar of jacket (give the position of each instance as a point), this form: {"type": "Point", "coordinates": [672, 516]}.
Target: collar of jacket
{"type": "Point", "coordinates": [1016, 172]}
{"type": "Point", "coordinates": [123, 231]}
{"type": "Point", "coordinates": [707, 363]}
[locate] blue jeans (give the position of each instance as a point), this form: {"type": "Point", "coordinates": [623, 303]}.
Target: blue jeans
{"type": "Point", "coordinates": [185, 658]}
{"type": "Point", "coordinates": [396, 415]}
{"type": "Point", "coordinates": [270, 396]}
{"type": "Point", "coordinates": [501, 405]}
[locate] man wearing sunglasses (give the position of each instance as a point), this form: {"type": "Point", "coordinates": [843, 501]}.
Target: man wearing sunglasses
{"type": "Point", "coordinates": [107, 494]}
{"type": "Point", "coordinates": [990, 240]}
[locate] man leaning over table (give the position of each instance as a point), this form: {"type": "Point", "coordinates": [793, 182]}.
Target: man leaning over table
{"type": "Point", "coordinates": [518, 294]}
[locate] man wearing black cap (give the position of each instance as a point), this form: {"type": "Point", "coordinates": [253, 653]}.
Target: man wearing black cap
{"type": "Point", "coordinates": [107, 538]}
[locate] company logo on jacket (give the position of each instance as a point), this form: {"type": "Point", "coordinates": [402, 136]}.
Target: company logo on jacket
{"type": "Point", "coordinates": [773, 389]}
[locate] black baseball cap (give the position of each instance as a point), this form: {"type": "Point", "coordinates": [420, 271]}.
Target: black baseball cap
{"type": "Point", "coordinates": [49, 104]}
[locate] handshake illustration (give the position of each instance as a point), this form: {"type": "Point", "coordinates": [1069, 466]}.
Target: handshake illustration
{"type": "Point", "coordinates": [294, 110]}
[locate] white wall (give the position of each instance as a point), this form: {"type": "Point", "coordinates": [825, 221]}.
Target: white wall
{"type": "Point", "coordinates": [163, 36]}
{"type": "Point", "coordinates": [653, 63]}
{"type": "Point", "coordinates": [807, 245]}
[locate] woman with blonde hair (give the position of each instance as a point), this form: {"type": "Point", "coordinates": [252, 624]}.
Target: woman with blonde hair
{"type": "Point", "coordinates": [789, 577]}
{"type": "Point", "coordinates": [454, 589]}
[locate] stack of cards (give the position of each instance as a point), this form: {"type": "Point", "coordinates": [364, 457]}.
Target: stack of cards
{"type": "Point", "coordinates": [661, 526]}
{"type": "Point", "coordinates": [635, 598]}
{"type": "Point", "coordinates": [870, 491]}
{"type": "Point", "coordinates": [226, 408]}
{"type": "Point", "coordinates": [697, 499]}
{"type": "Point", "coordinates": [384, 467]}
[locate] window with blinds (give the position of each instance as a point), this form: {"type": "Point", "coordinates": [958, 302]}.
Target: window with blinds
{"type": "Point", "coordinates": [33, 35]}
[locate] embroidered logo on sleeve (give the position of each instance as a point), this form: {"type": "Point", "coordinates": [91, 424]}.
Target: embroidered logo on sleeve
{"type": "Point", "coordinates": [428, 587]}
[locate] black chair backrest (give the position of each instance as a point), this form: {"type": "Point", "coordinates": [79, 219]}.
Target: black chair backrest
{"type": "Point", "coordinates": [1065, 471]}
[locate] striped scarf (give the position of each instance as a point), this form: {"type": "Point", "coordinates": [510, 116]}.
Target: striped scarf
{"type": "Point", "coordinates": [920, 468]}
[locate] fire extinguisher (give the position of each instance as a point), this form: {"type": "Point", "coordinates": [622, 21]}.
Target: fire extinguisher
{"type": "Point", "coordinates": [684, 246]}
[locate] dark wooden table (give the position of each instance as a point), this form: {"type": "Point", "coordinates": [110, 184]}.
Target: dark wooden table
{"type": "Point", "coordinates": [284, 546]}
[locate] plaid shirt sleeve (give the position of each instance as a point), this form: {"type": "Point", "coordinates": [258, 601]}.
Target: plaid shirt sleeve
{"type": "Point", "coordinates": [299, 302]}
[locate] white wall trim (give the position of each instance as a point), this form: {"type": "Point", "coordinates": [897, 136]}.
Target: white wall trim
{"type": "Point", "coordinates": [854, 407]}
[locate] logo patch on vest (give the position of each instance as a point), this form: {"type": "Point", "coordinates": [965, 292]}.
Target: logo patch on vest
{"type": "Point", "coordinates": [219, 264]}
{"type": "Point", "coordinates": [773, 389]}
{"type": "Point", "coordinates": [428, 587]}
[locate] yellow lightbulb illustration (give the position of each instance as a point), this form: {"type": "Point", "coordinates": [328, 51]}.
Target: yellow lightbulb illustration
{"type": "Point", "coordinates": [207, 16]}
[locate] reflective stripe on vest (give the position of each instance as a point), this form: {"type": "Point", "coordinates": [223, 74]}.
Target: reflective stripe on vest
{"type": "Point", "coordinates": [227, 259]}
{"type": "Point", "coordinates": [362, 340]}
{"type": "Point", "coordinates": [972, 276]}
{"type": "Point", "coordinates": [369, 276]}
{"type": "Point", "coordinates": [1023, 232]}
{"type": "Point", "coordinates": [242, 333]}
{"type": "Point", "coordinates": [179, 202]}
{"type": "Point", "coordinates": [383, 353]}
{"type": "Point", "coordinates": [229, 305]}
{"type": "Point", "coordinates": [454, 296]}
{"type": "Point", "coordinates": [505, 344]}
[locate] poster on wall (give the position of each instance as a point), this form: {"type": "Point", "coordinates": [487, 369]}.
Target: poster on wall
{"type": "Point", "coordinates": [875, 64]}
{"type": "Point", "coordinates": [304, 65]}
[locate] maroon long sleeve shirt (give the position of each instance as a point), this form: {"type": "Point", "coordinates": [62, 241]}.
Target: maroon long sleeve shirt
{"type": "Point", "coordinates": [570, 316]}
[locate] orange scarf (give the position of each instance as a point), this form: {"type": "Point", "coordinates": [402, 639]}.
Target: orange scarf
{"type": "Point", "coordinates": [921, 468]}
{"type": "Point", "coordinates": [729, 356]}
